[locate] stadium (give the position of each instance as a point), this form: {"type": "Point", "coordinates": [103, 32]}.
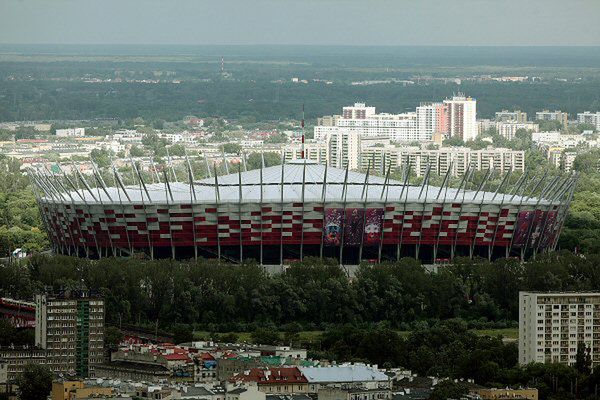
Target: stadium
{"type": "Point", "coordinates": [280, 214]}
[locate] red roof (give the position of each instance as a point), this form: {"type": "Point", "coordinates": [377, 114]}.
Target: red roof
{"type": "Point", "coordinates": [271, 376]}
{"type": "Point", "coordinates": [206, 356]}
{"type": "Point", "coordinates": [176, 357]}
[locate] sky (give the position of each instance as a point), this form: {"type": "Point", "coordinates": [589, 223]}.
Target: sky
{"type": "Point", "coordinates": [301, 22]}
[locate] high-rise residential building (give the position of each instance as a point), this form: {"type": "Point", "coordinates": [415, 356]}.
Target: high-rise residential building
{"type": "Point", "coordinates": [589, 118]}
{"type": "Point", "coordinates": [553, 325]}
{"type": "Point", "coordinates": [511, 116]}
{"type": "Point", "coordinates": [557, 115]}
{"type": "Point", "coordinates": [344, 150]}
{"type": "Point", "coordinates": [462, 117]}
{"type": "Point", "coordinates": [70, 328]}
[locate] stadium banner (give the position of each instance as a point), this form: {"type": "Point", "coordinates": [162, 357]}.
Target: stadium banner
{"type": "Point", "coordinates": [536, 227]}
{"type": "Point", "coordinates": [353, 226]}
{"type": "Point", "coordinates": [332, 231]}
{"type": "Point", "coordinates": [549, 231]}
{"type": "Point", "coordinates": [373, 222]}
{"type": "Point", "coordinates": [524, 219]}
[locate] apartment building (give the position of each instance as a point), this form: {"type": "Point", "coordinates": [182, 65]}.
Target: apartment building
{"type": "Point", "coordinates": [452, 117]}
{"type": "Point", "coordinates": [511, 116]}
{"type": "Point", "coordinates": [314, 151]}
{"type": "Point", "coordinates": [70, 328]}
{"type": "Point", "coordinates": [557, 115]}
{"type": "Point", "coordinates": [589, 118]}
{"type": "Point", "coordinates": [439, 160]}
{"type": "Point", "coordinates": [509, 130]}
{"type": "Point", "coordinates": [461, 117]}
{"type": "Point", "coordinates": [552, 325]}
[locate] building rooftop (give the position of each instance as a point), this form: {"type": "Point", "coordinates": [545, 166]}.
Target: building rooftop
{"type": "Point", "coordinates": [343, 373]}
{"type": "Point", "coordinates": [359, 188]}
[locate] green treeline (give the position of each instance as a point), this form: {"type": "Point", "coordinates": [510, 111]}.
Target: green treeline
{"type": "Point", "coordinates": [314, 294]}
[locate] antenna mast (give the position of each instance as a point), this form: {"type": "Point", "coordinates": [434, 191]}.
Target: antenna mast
{"type": "Point", "coordinates": [302, 125]}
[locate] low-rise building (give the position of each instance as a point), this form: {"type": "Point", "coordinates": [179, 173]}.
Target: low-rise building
{"type": "Point", "coordinates": [77, 390]}
{"type": "Point", "coordinates": [507, 393]}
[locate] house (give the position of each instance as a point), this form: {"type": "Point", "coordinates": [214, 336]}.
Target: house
{"type": "Point", "coordinates": [274, 380]}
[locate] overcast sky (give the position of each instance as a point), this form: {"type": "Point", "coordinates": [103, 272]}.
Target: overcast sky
{"type": "Point", "coordinates": [330, 22]}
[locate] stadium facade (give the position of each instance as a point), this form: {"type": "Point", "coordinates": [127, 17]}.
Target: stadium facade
{"type": "Point", "coordinates": [279, 214]}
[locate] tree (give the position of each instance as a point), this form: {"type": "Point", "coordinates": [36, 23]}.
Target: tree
{"type": "Point", "coordinates": [35, 382]}
{"type": "Point", "coordinates": [449, 389]}
{"type": "Point", "coordinates": [112, 337]}
{"type": "Point", "coordinates": [177, 150]}
{"type": "Point", "coordinates": [231, 148]}
{"type": "Point", "coordinates": [453, 141]}
{"type": "Point", "coordinates": [583, 359]}
{"type": "Point", "coordinates": [136, 151]}
{"type": "Point", "coordinates": [182, 333]}
{"type": "Point", "coordinates": [265, 336]}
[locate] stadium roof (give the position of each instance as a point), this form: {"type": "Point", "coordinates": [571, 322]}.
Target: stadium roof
{"type": "Point", "coordinates": [359, 188]}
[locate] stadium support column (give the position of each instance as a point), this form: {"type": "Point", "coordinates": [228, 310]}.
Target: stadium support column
{"type": "Point", "coordinates": [169, 195]}
{"type": "Point", "coordinates": [323, 199]}
{"type": "Point", "coordinates": [302, 217]}
{"type": "Point", "coordinates": [364, 194]}
{"type": "Point", "coordinates": [558, 194]}
{"type": "Point", "coordinates": [142, 187]}
{"type": "Point", "coordinates": [542, 194]}
{"type": "Point", "coordinates": [82, 197]}
{"type": "Point", "coordinates": [217, 199]}
{"type": "Point", "coordinates": [385, 190]}
{"type": "Point", "coordinates": [119, 184]}
{"type": "Point", "coordinates": [343, 222]}
{"type": "Point", "coordinates": [261, 212]}
{"type": "Point", "coordinates": [512, 193]}
{"type": "Point", "coordinates": [49, 188]}
{"type": "Point", "coordinates": [240, 213]}
{"type": "Point", "coordinates": [87, 186]}
{"type": "Point", "coordinates": [425, 184]}
{"type": "Point", "coordinates": [225, 162]}
{"type": "Point", "coordinates": [403, 191]}
{"type": "Point", "coordinates": [87, 253]}
{"type": "Point", "coordinates": [281, 215]}
{"type": "Point", "coordinates": [466, 176]}
{"type": "Point", "coordinates": [566, 210]}
{"type": "Point", "coordinates": [488, 175]}
{"type": "Point", "coordinates": [444, 184]}
{"type": "Point", "coordinates": [500, 187]}
{"type": "Point", "coordinates": [521, 201]}
{"type": "Point", "coordinates": [193, 201]}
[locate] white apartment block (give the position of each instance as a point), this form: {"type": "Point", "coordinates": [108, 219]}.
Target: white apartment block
{"type": "Point", "coordinates": [458, 158]}
{"type": "Point", "coordinates": [589, 118]}
{"type": "Point", "coordinates": [317, 152]}
{"type": "Point", "coordinates": [70, 132]}
{"type": "Point", "coordinates": [561, 158]}
{"type": "Point", "coordinates": [508, 130]}
{"type": "Point", "coordinates": [551, 326]}
{"type": "Point", "coordinates": [558, 115]}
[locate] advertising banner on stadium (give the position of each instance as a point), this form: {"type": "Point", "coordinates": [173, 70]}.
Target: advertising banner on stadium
{"type": "Point", "coordinates": [549, 229]}
{"type": "Point", "coordinates": [536, 227]}
{"type": "Point", "coordinates": [373, 222]}
{"type": "Point", "coordinates": [524, 219]}
{"type": "Point", "coordinates": [353, 226]}
{"type": "Point", "coordinates": [356, 224]}
{"type": "Point", "coordinates": [332, 232]}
